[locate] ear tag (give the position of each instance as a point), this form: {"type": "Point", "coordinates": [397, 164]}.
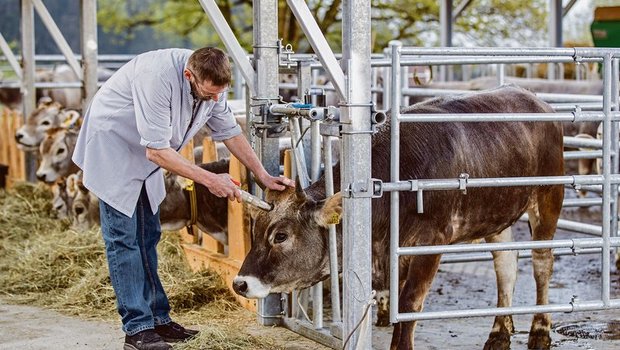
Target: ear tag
{"type": "Point", "coordinates": [334, 219]}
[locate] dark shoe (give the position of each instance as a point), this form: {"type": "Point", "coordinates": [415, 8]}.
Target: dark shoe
{"type": "Point", "coordinates": [145, 340]}
{"type": "Point", "coordinates": [174, 332]}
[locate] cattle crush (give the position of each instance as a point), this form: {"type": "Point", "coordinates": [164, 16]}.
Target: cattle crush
{"type": "Point", "coordinates": [353, 118]}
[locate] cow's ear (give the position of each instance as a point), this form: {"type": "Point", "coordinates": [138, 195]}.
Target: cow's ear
{"type": "Point", "coordinates": [331, 211]}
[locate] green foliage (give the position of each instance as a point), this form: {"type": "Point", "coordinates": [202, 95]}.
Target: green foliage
{"type": "Point", "coordinates": [484, 22]}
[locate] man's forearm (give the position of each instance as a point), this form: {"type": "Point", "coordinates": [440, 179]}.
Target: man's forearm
{"type": "Point", "coordinates": [172, 161]}
{"type": "Point", "coordinates": [241, 149]}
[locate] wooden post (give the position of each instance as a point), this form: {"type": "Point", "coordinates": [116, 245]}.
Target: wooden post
{"type": "Point", "coordinates": [10, 155]}
{"type": "Point", "coordinates": [209, 154]}
{"type": "Point", "coordinates": [188, 153]}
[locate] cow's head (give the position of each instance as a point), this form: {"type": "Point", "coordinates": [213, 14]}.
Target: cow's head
{"type": "Point", "coordinates": [84, 206]}
{"type": "Point", "coordinates": [290, 246]}
{"type": "Point", "coordinates": [56, 151]}
{"type": "Point", "coordinates": [48, 115]}
{"type": "Point", "coordinates": [60, 199]}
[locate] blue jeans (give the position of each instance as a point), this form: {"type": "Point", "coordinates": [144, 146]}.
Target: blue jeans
{"type": "Point", "coordinates": [131, 244]}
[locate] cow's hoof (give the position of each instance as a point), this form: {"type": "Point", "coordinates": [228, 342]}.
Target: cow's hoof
{"type": "Point", "coordinates": [498, 341]}
{"type": "Point", "coordinates": [539, 340]}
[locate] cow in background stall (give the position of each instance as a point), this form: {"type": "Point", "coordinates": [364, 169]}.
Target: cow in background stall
{"type": "Point", "coordinates": [48, 115]}
{"type": "Point", "coordinates": [174, 211]}
{"type": "Point", "coordinates": [290, 246]}
{"type": "Point", "coordinates": [56, 150]}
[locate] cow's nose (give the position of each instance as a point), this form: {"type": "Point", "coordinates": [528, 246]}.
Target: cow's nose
{"type": "Point", "coordinates": [240, 287]}
{"type": "Point", "coordinates": [41, 177]}
{"type": "Point", "coordinates": [18, 136]}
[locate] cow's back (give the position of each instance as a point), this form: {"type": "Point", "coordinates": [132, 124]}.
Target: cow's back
{"type": "Point", "coordinates": [482, 150]}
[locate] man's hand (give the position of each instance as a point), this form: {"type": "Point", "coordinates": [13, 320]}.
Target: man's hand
{"type": "Point", "coordinates": [278, 183]}
{"type": "Point", "coordinates": [222, 185]}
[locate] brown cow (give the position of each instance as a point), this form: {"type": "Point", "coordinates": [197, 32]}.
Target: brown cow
{"type": "Point", "coordinates": [290, 248]}
{"type": "Point", "coordinates": [48, 115]}
{"type": "Point", "coordinates": [56, 150]}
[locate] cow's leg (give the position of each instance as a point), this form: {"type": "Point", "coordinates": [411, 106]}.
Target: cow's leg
{"type": "Point", "coordinates": [543, 220]}
{"type": "Point", "coordinates": [418, 281]}
{"type": "Point", "coordinates": [505, 263]}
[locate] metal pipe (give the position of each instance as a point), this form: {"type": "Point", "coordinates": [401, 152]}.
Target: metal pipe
{"type": "Point", "coordinates": [582, 52]}
{"type": "Point", "coordinates": [507, 117]}
{"type": "Point", "coordinates": [333, 241]}
{"type": "Point", "coordinates": [394, 176]}
{"type": "Point", "coordinates": [571, 155]}
{"type": "Point", "coordinates": [573, 306]}
{"type": "Point", "coordinates": [607, 188]}
{"type": "Point", "coordinates": [548, 97]}
{"type": "Point", "coordinates": [27, 87]}
{"type": "Point", "coordinates": [457, 184]}
{"type": "Point", "coordinates": [575, 243]}
{"type": "Point", "coordinates": [523, 254]}
{"type": "Point", "coordinates": [88, 22]}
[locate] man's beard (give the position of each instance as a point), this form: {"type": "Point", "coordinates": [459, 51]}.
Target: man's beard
{"type": "Point", "coordinates": [196, 94]}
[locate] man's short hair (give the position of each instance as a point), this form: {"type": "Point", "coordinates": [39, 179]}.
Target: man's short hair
{"type": "Point", "coordinates": [210, 64]}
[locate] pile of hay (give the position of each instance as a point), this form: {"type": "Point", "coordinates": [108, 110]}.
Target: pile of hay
{"type": "Point", "coordinates": [45, 263]}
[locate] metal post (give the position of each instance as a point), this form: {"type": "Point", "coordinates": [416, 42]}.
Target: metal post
{"type": "Point", "coordinates": [266, 67]}
{"type": "Point", "coordinates": [89, 50]}
{"type": "Point", "coordinates": [356, 172]}
{"type": "Point", "coordinates": [395, 176]}
{"type": "Point", "coordinates": [445, 20]}
{"type": "Point", "coordinates": [555, 32]}
{"type": "Point", "coordinates": [615, 138]}
{"type": "Point", "coordinates": [607, 188]}
{"type": "Point", "coordinates": [28, 64]}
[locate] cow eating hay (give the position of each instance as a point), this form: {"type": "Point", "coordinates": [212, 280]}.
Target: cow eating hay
{"type": "Point", "coordinates": [290, 246]}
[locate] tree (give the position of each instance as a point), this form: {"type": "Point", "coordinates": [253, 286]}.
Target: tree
{"type": "Point", "coordinates": [485, 22]}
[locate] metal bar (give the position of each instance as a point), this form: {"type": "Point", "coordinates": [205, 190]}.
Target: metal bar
{"type": "Point", "coordinates": [456, 184]}
{"type": "Point", "coordinates": [568, 7]}
{"type": "Point", "coordinates": [562, 107]}
{"type": "Point", "coordinates": [511, 51]}
{"type": "Point", "coordinates": [394, 176]}
{"type": "Point", "coordinates": [319, 44]}
{"type": "Point", "coordinates": [27, 87]}
{"type": "Point", "coordinates": [445, 23]}
{"type": "Point", "coordinates": [460, 8]}
{"type": "Point", "coordinates": [356, 166]}
{"type": "Point", "coordinates": [555, 32]}
{"type": "Point", "coordinates": [549, 97]}
{"type": "Point", "coordinates": [88, 22]}
{"type": "Point", "coordinates": [615, 151]}
{"type": "Point", "coordinates": [573, 306]}
{"type": "Point", "coordinates": [232, 44]}
{"type": "Point", "coordinates": [266, 64]}
{"type": "Point", "coordinates": [8, 53]}
{"type": "Point", "coordinates": [507, 117]}
{"type": "Point", "coordinates": [575, 243]}
{"type": "Point", "coordinates": [56, 34]}
{"type": "Point", "coordinates": [523, 254]}
{"type": "Point", "coordinates": [607, 188]}
{"type": "Point", "coordinates": [581, 202]}
{"type": "Point", "coordinates": [333, 241]}
{"type": "Point", "coordinates": [571, 155]}
{"type": "Point", "coordinates": [571, 141]}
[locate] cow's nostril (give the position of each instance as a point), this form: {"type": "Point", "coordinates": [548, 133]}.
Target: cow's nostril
{"type": "Point", "coordinates": [240, 287]}
{"type": "Point", "coordinates": [79, 210]}
{"type": "Point", "coordinates": [18, 137]}
{"type": "Point", "coordinates": [41, 177]}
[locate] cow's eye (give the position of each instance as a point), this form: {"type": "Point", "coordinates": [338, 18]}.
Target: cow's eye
{"type": "Point", "coordinates": [280, 237]}
{"type": "Point", "coordinates": [60, 151]}
{"type": "Point", "coordinates": [45, 123]}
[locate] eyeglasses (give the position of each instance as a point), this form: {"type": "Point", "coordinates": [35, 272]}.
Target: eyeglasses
{"type": "Point", "coordinates": [207, 96]}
